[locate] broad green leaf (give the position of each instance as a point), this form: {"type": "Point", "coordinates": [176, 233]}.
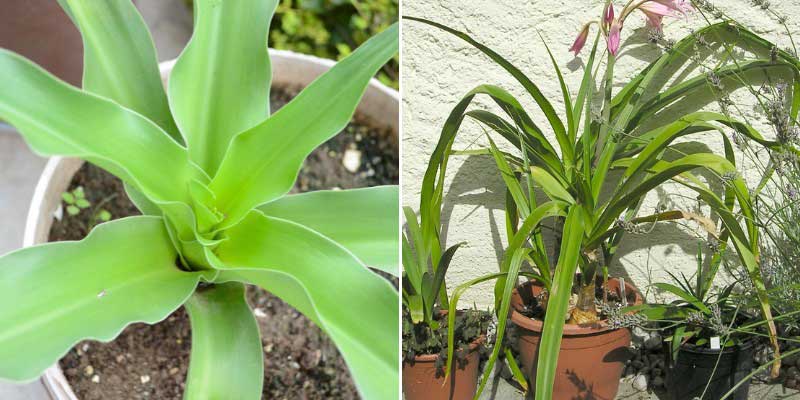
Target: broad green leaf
{"type": "Point", "coordinates": [220, 83]}
{"type": "Point", "coordinates": [452, 311]}
{"type": "Point", "coordinates": [433, 181]}
{"type": "Point", "coordinates": [58, 119]}
{"type": "Point", "coordinates": [321, 279]}
{"type": "Point", "coordinates": [57, 294]}
{"type": "Point", "coordinates": [416, 308]}
{"type": "Point", "coordinates": [551, 186]}
{"type": "Point", "coordinates": [536, 145]}
{"type": "Point", "coordinates": [272, 152]}
{"type": "Point", "coordinates": [141, 201]}
{"type": "Point", "coordinates": [528, 227]}
{"type": "Point", "coordinates": [730, 77]}
{"type": "Point", "coordinates": [572, 130]}
{"type": "Point", "coordinates": [421, 252]}
{"type": "Point", "coordinates": [437, 282]}
{"type": "Point", "coordinates": [227, 361]}
{"type": "Point", "coordinates": [685, 296]}
{"type": "Point", "coordinates": [585, 90]}
{"type": "Point", "coordinates": [560, 292]}
{"type": "Point", "coordinates": [412, 270]}
{"type": "Point", "coordinates": [511, 181]}
{"type": "Point", "coordinates": [365, 221]}
{"type": "Point", "coordinates": [120, 59]}
{"type": "Point", "coordinates": [662, 172]}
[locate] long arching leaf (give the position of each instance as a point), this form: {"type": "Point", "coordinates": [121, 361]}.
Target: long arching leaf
{"type": "Point", "coordinates": [58, 119]}
{"type": "Point", "coordinates": [557, 303]}
{"type": "Point", "coordinates": [120, 59]}
{"type": "Point", "coordinates": [220, 83]}
{"type": "Point", "coordinates": [328, 284]}
{"type": "Point", "coordinates": [227, 361]}
{"type": "Point", "coordinates": [273, 151]}
{"type": "Point", "coordinates": [365, 221]}
{"type": "Point", "coordinates": [57, 294]}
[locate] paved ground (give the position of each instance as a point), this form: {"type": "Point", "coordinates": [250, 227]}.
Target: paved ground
{"type": "Point", "coordinates": [501, 390]}
{"type": "Point", "coordinates": [171, 25]}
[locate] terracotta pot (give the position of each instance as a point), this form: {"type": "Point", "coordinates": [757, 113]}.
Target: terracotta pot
{"type": "Point", "coordinates": [41, 31]}
{"type": "Point", "coordinates": [379, 103]}
{"type": "Point", "coordinates": [421, 380]}
{"type": "Point", "coordinates": [591, 359]}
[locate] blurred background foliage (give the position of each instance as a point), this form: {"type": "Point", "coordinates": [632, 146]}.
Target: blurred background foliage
{"type": "Point", "coordinates": [333, 28]}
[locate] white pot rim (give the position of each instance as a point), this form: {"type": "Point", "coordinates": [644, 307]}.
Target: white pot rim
{"type": "Point", "coordinates": [379, 102]}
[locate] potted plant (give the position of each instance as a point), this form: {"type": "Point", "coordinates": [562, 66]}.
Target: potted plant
{"type": "Point", "coordinates": [572, 177]}
{"type": "Point", "coordinates": [208, 227]}
{"type": "Point", "coordinates": [711, 339]}
{"type": "Point", "coordinates": [426, 326]}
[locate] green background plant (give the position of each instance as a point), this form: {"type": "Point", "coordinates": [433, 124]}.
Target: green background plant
{"type": "Point", "coordinates": [333, 28]}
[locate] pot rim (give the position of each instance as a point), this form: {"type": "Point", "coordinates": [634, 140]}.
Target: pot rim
{"type": "Point", "coordinates": [569, 329]}
{"type": "Point", "coordinates": [379, 102]}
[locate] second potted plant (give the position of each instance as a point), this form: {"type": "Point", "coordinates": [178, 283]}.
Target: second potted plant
{"type": "Point", "coordinates": [428, 373]}
{"type": "Point", "coordinates": [711, 335]}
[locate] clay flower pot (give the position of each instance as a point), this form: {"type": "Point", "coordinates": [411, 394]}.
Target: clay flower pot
{"type": "Point", "coordinates": [592, 358]}
{"type": "Point", "coordinates": [422, 382]}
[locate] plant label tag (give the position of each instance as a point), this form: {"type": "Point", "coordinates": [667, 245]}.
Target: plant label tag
{"type": "Point", "coordinates": [715, 343]}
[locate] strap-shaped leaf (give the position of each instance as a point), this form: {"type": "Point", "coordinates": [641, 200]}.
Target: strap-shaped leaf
{"type": "Point", "coordinates": [684, 295]}
{"type": "Point", "coordinates": [365, 221]}
{"type": "Point", "coordinates": [220, 84]}
{"type": "Point", "coordinates": [412, 271]}
{"type": "Point", "coordinates": [502, 316]}
{"type": "Point", "coordinates": [356, 307]}
{"type": "Point", "coordinates": [227, 361]}
{"type": "Point", "coordinates": [526, 230]}
{"type": "Point", "coordinates": [120, 59]}
{"type": "Point", "coordinates": [558, 302]}
{"type": "Point", "coordinates": [53, 295]}
{"type": "Point", "coordinates": [263, 162]}
{"type": "Point", "coordinates": [58, 119]}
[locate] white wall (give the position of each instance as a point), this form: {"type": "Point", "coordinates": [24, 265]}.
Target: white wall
{"type": "Point", "coordinates": [438, 69]}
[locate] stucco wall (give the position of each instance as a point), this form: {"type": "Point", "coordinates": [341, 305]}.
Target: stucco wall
{"type": "Point", "coordinates": [438, 69]}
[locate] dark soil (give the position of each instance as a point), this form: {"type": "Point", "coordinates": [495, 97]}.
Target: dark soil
{"type": "Point", "coordinates": [420, 339]}
{"type": "Point", "coordinates": [150, 362]}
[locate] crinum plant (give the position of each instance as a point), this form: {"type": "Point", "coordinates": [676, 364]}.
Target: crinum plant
{"type": "Point", "coordinates": [210, 168]}
{"type": "Point", "coordinates": [613, 150]}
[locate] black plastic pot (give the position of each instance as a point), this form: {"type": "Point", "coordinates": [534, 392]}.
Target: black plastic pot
{"type": "Point", "coordinates": [688, 376]}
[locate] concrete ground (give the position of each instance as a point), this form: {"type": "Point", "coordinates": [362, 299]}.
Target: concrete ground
{"type": "Point", "coordinates": [171, 26]}
{"type": "Point", "coordinates": [502, 390]}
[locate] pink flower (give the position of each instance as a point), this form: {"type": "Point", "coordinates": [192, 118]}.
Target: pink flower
{"type": "Point", "coordinates": [679, 6]}
{"type": "Point", "coordinates": [614, 37]}
{"type": "Point", "coordinates": [608, 15]}
{"type": "Point", "coordinates": [656, 10]}
{"type": "Point", "coordinates": [580, 41]}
